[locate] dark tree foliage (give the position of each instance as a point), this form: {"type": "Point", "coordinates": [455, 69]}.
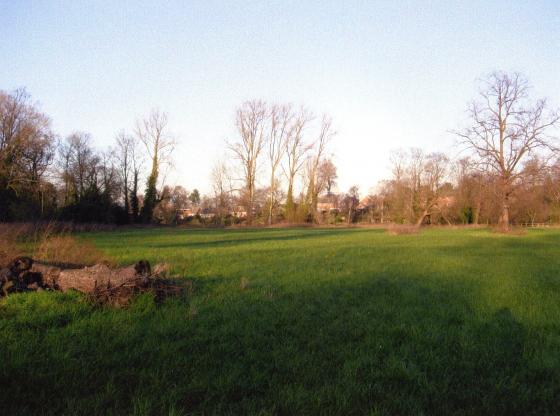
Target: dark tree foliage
{"type": "Point", "coordinates": [150, 198]}
{"type": "Point", "coordinates": [26, 151]}
{"type": "Point", "coordinates": [134, 203]}
{"type": "Point", "coordinates": [45, 178]}
{"type": "Point", "coordinates": [194, 197]}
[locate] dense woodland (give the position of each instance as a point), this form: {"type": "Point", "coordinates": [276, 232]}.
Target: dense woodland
{"type": "Point", "coordinates": [280, 169]}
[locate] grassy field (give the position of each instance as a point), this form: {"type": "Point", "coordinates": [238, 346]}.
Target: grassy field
{"type": "Point", "coordinates": [301, 321]}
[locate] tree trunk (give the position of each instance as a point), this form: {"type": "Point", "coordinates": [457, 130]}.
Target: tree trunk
{"type": "Point", "coordinates": [476, 214]}
{"type": "Point", "coordinates": [249, 208]}
{"type": "Point", "coordinates": [314, 203]}
{"type": "Point", "coordinates": [134, 198]}
{"type": "Point", "coordinates": [503, 222]}
{"type": "Point", "coordinates": [421, 219]}
{"type": "Point", "coordinates": [126, 201]}
{"type": "Point", "coordinates": [290, 202]}
{"type": "Point", "coordinates": [102, 284]}
{"type": "Point", "coordinates": [270, 211]}
{"type": "Point", "coordinates": [309, 199]}
{"type": "Point", "coordinates": [150, 196]}
{"type": "Point", "coordinates": [85, 279]}
{"type": "Point", "coordinates": [271, 198]}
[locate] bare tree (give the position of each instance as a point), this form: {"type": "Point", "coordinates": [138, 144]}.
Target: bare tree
{"type": "Point", "coordinates": [125, 143]}
{"type": "Point", "coordinates": [152, 132]}
{"type": "Point", "coordinates": [414, 171]}
{"type": "Point", "coordinates": [314, 186]}
{"type": "Point", "coordinates": [416, 189]}
{"type": "Point", "coordinates": [79, 164]}
{"type": "Point", "coordinates": [533, 203]}
{"type": "Point", "coordinates": [281, 130]}
{"type": "Point", "coordinates": [222, 188]}
{"type": "Point", "coordinates": [137, 162]}
{"type": "Point", "coordinates": [350, 202]}
{"type": "Point", "coordinates": [506, 129]}
{"type": "Point", "coordinates": [109, 183]}
{"type": "Point", "coordinates": [129, 164]}
{"type": "Point", "coordinates": [327, 175]}
{"type": "Point", "coordinates": [397, 190]}
{"type": "Point", "coordinates": [89, 178]}
{"type": "Point", "coordinates": [429, 186]}
{"type": "Point", "coordinates": [27, 147]}
{"type": "Point", "coordinates": [471, 184]}
{"type": "Point", "coordinates": [296, 152]}
{"type": "Point", "coordinates": [250, 121]}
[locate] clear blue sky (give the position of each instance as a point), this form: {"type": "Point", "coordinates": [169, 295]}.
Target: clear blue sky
{"type": "Point", "coordinates": [391, 73]}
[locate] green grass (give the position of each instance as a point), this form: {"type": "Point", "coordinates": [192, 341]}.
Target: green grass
{"type": "Point", "coordinates": [326, 322]}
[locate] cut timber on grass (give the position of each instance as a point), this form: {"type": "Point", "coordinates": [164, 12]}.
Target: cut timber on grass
{"type": "Point", "coordinates": [89, 279]}
{"type": "Point", "coordinates": [102, 284]}
{"type": "Point", "coordinates": [83, 279]}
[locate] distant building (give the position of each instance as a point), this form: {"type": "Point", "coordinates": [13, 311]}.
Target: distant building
{"type": "Point", "coordinates": [367, 202]}
{"type": "Point", "coordinates": [327, 203]}
{"type": "Point", "coordinates": [186, 213]}
{"type": "Point", "coordinates": [446, 201]}
{"type": "Point", "coordinates": [239, 212]}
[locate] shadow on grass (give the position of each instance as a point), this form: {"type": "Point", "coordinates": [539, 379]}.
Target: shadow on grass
{"type": "Point", "coordinates": [269, 235]}
{"type": "Point", "coordinates": [391, 346]}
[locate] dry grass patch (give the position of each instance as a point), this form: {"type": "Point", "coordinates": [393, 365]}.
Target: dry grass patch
{"type": "Point", "coordinates": [402, 229]}
{"type": "Point", "coordinates": [49, 242]}
{"type": "Point", "coordinates": [66, 249]}
{"type": "Point", "coordinates": [8, 251]}
{"type": "Point", "coordinates": [10, 236]}
{"type": "Point", "coordinates": [511, 231]}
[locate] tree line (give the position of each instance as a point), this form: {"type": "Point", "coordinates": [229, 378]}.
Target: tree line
{"type": "Point", "coordinates": [278, 168]}
{"type": "Point", "coordinates": [43, 176]}
{"type": "Point", "coordinates": [510, 170]}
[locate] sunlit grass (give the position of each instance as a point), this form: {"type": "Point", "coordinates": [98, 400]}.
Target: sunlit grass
{"type": "Point", "coordinates": [302, 321]}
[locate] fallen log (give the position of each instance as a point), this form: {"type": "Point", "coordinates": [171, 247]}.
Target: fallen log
{"type": "Point", "coordinates": [89, 279]}
{"type": "Point", "coordinates": [101, 283]}
{"type": "Point", "coordinates": [121, 295]}
{"type": "Point", "coordinates": [18, 276]}
{"type": "Point", "coordinates": [50, 274]}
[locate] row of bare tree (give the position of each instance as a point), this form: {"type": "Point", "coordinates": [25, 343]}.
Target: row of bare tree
{"type": "Point", "coordinates": [431, 188]}
{"type": "Point", "coordinates": [279, 168]}
{"type": "Point", "coordinates": [44, 176]}
{"type": "Point", "coordinates": [277, 133]}
{"type": "Point", "coordinates": [27, 149]}
{"type": "Point", "coordinates": [506, 129]}
{"type": "Point", "coordinates": [508, 137]}
{"type": "Point", "coordinates": [511, 162]}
